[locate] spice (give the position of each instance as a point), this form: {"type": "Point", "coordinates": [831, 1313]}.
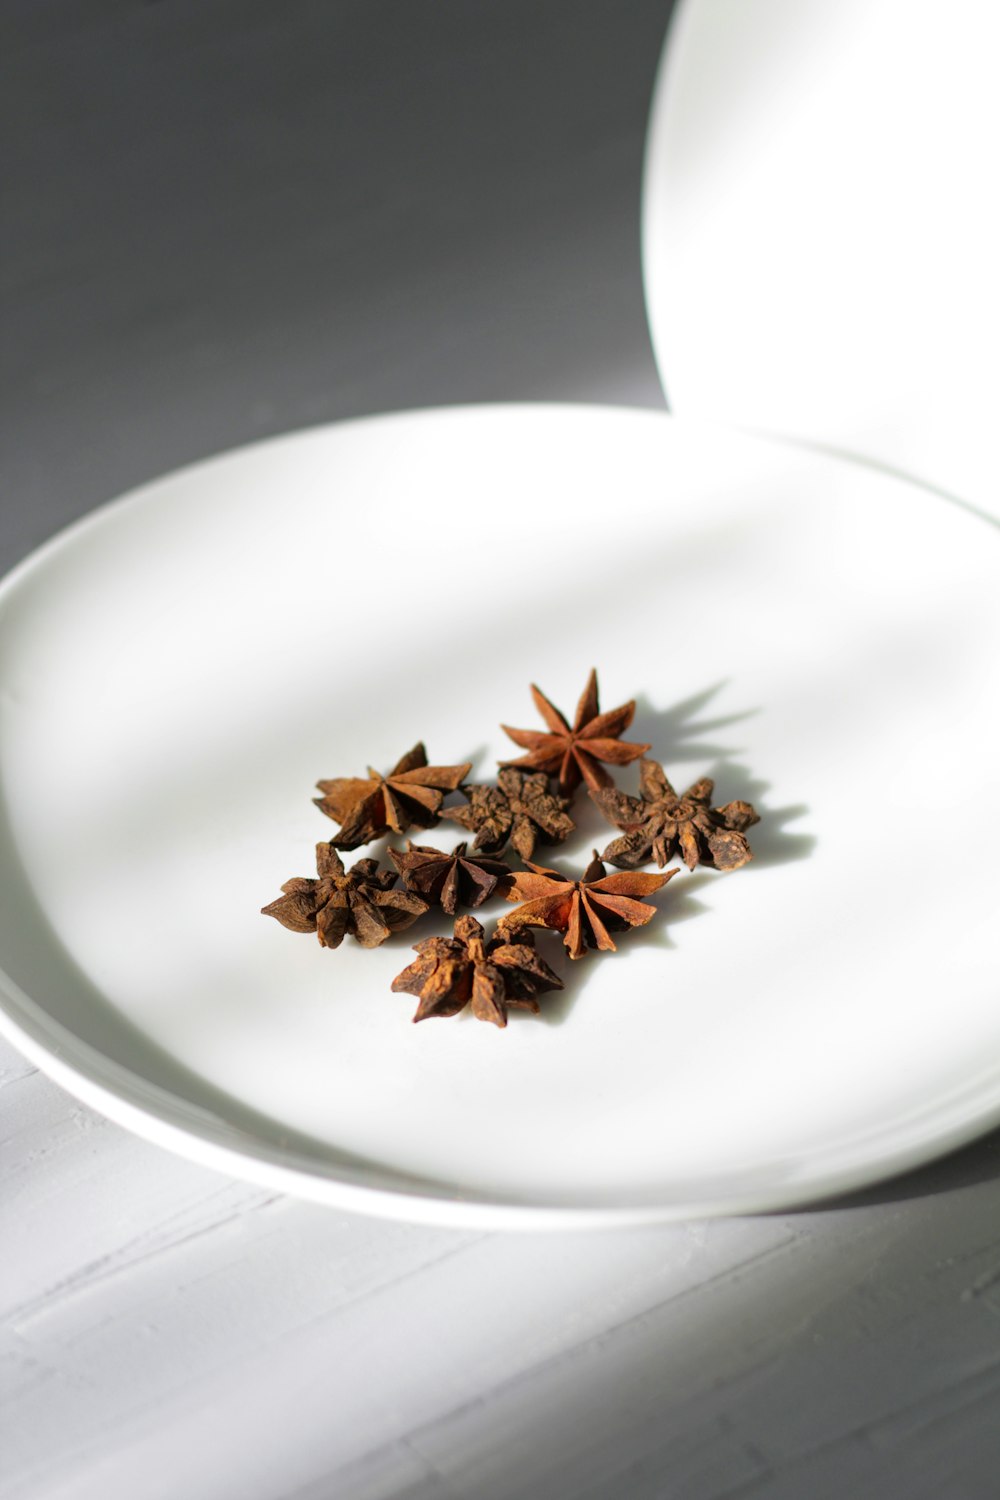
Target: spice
{"type": "Point", "coordinates": [521, 809]}
{"type": "Point", "coordinates": [659, 824]}
{"type": "Point", "coordinates": [528, 805]}
{"type": "Point", "coordinates": [360, 901]}
{"type": "Point", "coordinates": [408, 796]}
{"type": "Point", "coordinates": [456, 879]}
{"type": "Point", "coordinates": [587, 910]}
{"type": "Point", "coordinates": [576, 752]}
{"type": "Point", "coordinates": [493, 977]}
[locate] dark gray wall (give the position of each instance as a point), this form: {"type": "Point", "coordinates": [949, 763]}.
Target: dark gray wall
{"type": "Point", "coordinates": [227, 218]}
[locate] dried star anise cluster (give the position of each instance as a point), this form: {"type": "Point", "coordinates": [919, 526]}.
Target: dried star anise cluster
{"type": "Point", "coordinates": [530, 803]}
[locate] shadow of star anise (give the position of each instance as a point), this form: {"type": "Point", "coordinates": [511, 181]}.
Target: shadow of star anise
{"type": "Point", "coordinates": [572, 753]}
{"type": "Point", "coordinates": [493, 977]}
{"type": "Point", "coordinates": [408, 796]}
{"type": "Point", "coordinates": [453, 880]}
{"type": "Point", "coordinates": [521, 809]}
{"type": "Point", "coordinates": [585, 911]}
{"type": "Point", "coordinates": [360, 901]}
{"type": "Point", "coordinates": [659, 825]}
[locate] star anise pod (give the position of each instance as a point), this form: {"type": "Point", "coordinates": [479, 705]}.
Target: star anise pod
{"type": "Point", "coordinates": [587, 910]}
{"type": "Point", "coordinates": [520, 809]}
{"type": "Point", "coordinates": [659, 824]}
{"type": "Point", "coordinates": [410, 795]}
{"type": "Point", "coordinates": [360, 901]}
{"type": "Point", "coordinates": [576, 752]}
{"type": "Point", "coordinates": [455, 879]}
{"type": "Point", "coordinates": [495, 977]}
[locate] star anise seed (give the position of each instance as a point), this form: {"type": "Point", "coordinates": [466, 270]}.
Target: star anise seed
{"type": "Point", "coordinates": [408, 796]}
{"type": "Point", "coordinates": [455, 879]}
{"type": "Point", "coordinates": [520, 809]}
{"type": "Point", "coordinates": [360, 901]}
{"type": "Point", "coordinates": [659, 825]}
{"type": "Point", "coordinates": [587, 910]}
{"type": "Point", "coordinates": [576, 752]}
{"type": "Point", "coordinates": [494, 977]}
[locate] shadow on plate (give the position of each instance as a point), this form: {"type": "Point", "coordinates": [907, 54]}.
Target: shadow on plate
{"type": "Point", "coordinates": [679, 732]}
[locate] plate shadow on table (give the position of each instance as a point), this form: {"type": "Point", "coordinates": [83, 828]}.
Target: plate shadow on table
{"type": "Point", "coordinates": [966, 1167]}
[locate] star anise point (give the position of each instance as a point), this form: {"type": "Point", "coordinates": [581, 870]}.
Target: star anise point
{"type": "Point", "coordinates": [521, 810]}
{"type": "Point", "coordinates": [576, 753]}
{"type": "Point", "coordinates": [660, 825]}
{"type": "Point", "coordinates": [460, 878]}
{"type": "Point", "coordinates": [361, 902]}
{"type": "Point", "coordinates": [409, 796]}
{"type": "Point", "coordinates": [586, 911]}
{"type": "Point", "coordinates": [491, 976]}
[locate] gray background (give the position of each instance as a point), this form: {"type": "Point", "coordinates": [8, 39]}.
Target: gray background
{"type": "Point", "coordinates": [227, 218]}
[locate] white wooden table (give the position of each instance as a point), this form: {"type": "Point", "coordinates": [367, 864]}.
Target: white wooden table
{"type": "Point", "coordinates": [168, 1331]}
{"type": "Point", "coordinates": [239, 218]}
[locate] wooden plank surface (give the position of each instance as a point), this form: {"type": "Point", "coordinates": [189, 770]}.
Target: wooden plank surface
{"type": "Point", "coordinates": [167, 1330]}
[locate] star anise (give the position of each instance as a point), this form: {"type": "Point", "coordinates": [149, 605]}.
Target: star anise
{"type": "Point", "coordinates": [455, 879]}
{"type": "Point", "coordinates": [659, 824]}
{"type": "Point", "coordinates": [495, 977]}
{"type": "Point", "coordinates": [360, 901]}
{"type": "Point", "coordinates": [410, 795]}
{"type": "Point", "coordinates": [576, 752]}
{"type": "Point", "coordinates": [587, 910]}
{"type": "Point", "coordinates": [520, 809]}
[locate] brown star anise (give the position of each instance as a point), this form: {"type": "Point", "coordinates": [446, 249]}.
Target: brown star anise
{"type": "Point", "coordinates": [587, 910]}
{"type": "Point", "coordinates": [501, 975]}
{"type": "Point", "coordinates": [577, 751]}
{"type": "Point", "coordinates": [359, 901]}
{"type": "Point", "coordinates": [520, 808]}
{"type": "Point", "coordinates": [455, 879]}
{"type": "Point", "coordinates": [659, 824]}
{"type": "Point", "coordinates": [410, 795]}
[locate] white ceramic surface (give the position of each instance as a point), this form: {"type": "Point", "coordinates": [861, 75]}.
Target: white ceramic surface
{"type": "Point", "coordinates": [821, 227]}
{"type": "Point", "coordinates": [177, 670]}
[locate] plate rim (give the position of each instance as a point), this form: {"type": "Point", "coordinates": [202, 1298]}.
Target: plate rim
{"type": "Point", "coordinates": [428, 1208]}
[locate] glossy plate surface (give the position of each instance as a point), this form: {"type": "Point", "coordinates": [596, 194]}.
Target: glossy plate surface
{"type": "Point", "coordinates": [821, 229]}
{"type": "Point", "coordinates": [176, 672]}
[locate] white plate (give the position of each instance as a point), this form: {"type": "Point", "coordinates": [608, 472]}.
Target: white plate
{"type": "Point", "coordinates": [176, 672]}
{"type": "Point", "coordinates": [821, 227]}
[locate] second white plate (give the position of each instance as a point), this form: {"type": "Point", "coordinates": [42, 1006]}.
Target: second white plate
{"type": "Point", "coordinates": [177, 671]}
{"type": "Point", "coordinates": [819, 239]}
